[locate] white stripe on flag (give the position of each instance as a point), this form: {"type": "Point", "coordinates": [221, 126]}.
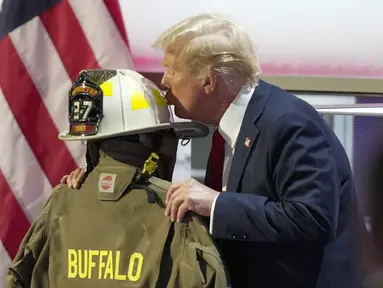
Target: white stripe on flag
{"type": "Point", "coordinates": [48, 73]}
{"type": "Point", "coordinates": [103, 36]}
{"type": "Point", "coordinates": [5, 261]}
{"type": "Point", "coordinates": [19, 165]}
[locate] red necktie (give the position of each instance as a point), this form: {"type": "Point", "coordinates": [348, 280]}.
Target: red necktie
{"type": "Point", "coordinates": [217, 157]}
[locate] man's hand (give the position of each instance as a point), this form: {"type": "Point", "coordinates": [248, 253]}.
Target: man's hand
{"type": "Point", "coordinates": [189, 195]}
{"type": "Point", "coordinates": [74, 179]}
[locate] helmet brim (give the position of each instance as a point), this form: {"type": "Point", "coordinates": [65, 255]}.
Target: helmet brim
{"type": "Point", "coordinates": [182, 129]}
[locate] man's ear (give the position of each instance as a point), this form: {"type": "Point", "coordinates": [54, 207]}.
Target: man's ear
{"type": "Point", "coordinates": [210, 83]}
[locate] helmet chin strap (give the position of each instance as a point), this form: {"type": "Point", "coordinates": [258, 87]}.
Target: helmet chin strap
{"type": "Point", "coordinates": [185, 141]}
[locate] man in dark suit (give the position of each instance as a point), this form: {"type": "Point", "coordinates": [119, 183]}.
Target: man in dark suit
{"type": "Point", "coordinates": [279, 190]}
{"type": "Point", "coordinates": [281, 197]}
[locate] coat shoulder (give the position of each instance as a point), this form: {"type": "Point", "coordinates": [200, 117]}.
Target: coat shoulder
{"type": "Point", "coordinates": [160, 184]}
{"type": "Point", "coordinates": [286, 108]}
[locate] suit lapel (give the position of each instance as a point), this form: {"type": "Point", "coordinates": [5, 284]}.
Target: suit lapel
{"type": "Point", "coordinates": [246, 138]}
{"type": "Point", "coordinates": [248, 134]}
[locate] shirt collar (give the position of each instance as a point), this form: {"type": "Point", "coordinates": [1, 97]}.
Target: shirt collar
{"type": "Point", "coordinates": [231, 121]}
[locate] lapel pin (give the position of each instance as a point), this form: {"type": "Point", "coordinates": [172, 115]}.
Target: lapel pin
{"type": "Point", "coordinates": [247, 142]}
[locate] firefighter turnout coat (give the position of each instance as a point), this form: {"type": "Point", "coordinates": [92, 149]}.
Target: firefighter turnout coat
{"type": "Point", "coordinates": [112, 232]}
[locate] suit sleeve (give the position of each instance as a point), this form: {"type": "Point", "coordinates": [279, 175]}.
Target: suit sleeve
{"type": "Point", "coordinates": [21, 270]}
{"type": "Point", "coordinates": [307, 185]}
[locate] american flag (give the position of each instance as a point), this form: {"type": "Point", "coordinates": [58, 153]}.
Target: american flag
{"type": "Point", "coordinates": [43, 46]}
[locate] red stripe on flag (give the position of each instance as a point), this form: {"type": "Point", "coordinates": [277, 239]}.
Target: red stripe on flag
{"type": "Point", "coordinates": [13, 222]}
{"type": "Point", "coordinates": [32, 115]}
{"type": "Point", "coordinates": [114, 9]}
{"type": "Point", "coordinates": [69, 39]}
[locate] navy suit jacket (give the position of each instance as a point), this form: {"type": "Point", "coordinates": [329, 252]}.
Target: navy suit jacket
{"type": "Point", "coordinates": [286, 219]}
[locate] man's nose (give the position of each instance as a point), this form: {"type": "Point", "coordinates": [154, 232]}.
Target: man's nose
{"type": "Point", "coordinates": [164, 84]}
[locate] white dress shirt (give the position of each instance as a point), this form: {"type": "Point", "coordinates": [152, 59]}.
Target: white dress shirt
{"type": "Point", "coordinates": [229, 127]}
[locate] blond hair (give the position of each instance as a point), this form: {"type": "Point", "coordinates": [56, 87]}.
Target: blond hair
{"type": "Point", "coordinates": [208, 43]}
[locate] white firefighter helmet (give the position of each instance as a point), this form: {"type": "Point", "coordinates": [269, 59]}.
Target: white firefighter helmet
{"type": "Point", "coordinates": [107, 103]}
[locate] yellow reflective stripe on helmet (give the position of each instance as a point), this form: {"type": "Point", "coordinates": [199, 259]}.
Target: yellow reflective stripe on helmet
{"type": "Point", "coordinates": [159, 99]}
{"type": "Point", "coordinates": [138, 101]}
{"type": "Point", "coordinates": [107, 88]}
